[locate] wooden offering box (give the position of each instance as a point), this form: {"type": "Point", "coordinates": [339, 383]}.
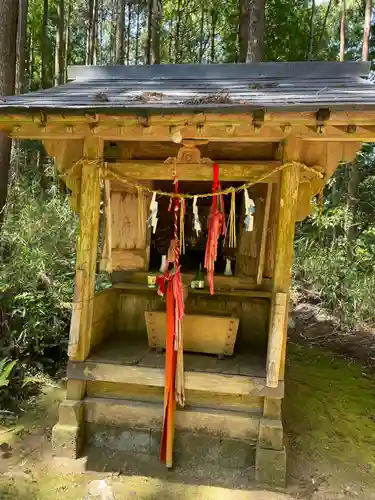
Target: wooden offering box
{"type": "Point", "coordinates": [205, 334]}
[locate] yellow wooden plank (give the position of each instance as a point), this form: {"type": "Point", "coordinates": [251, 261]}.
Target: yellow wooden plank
{"type": "Point", "coordinates": [288, 204]}
{"type": "Point", "coordinates": [159, 170]}
{"type": "Point", "coordinates": [207, 334]}
{"type": "Point", "coordinates": [210, 382]}
{"type": "Point", "coordinates": [87, 248]}
{"type": "Point", "coordinates": [263, 242]}
{"type": "Point", "coordinates": [204, 399]}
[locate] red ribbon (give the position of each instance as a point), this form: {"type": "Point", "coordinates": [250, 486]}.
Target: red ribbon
{"type": "Point", "coordinates": [175, 312]}
{"type": "Point", "coordinates": [216, 227]}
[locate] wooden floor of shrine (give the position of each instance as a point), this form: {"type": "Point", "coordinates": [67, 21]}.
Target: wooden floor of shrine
{"type": "Point", "coordinates": [130, 361]}
{"type": "Point", "coordinates": [122, 351]}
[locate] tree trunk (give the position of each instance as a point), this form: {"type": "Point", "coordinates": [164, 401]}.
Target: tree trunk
{"type": "Point", "coordinates": [120, 34]}
{"type": "Point", "coordinates": [155, 32]}
{"type": "Point", "coordinates": [243, 30]}
{"type": "Point", "coordinates": [113, 34]}
{"type": "Point", "coordinates": [8, 43]}
{"type": "Point", "coordinates": [328, 10]}
{"type": "Point", "coordinates": [31, 61]}
{"type": "Point", "coordinates": [149, 31]}
{"type": "Point", "coordinates": [311, 34]}
{"type": "Point", "coordinates": [201, 34]}
{"type": "Point", "coordinates": [128, 34]}
{"type": "Point", "coordinates": [170, 42]}
{"type": "Point", "coordinates": [21, 46]}
{"type": "Point", "coordinates": [138, 32]}
{"type": "Point", "coordinates": [94, 33]}
{"type": "Point", "coordinates": [177, 58]}
{"type": "Point", "coordinates": [60, 46]}
{"type": "Point", "coordinates": [342, 30]}
{"type": "Point", "coordinates": [67, 37]}
{"type": "Point", "coordinates": [366, 30]}
{"type": "Point", "coordinates": [101, 20]}
{"type": "Point", "coordinates": [213, 35]}
{"type": "Point", "coordinates": [91, 32]}
{"type": "Point", "coordinates": [255, 46]}
{"type": "Point", "coordinates": [44, 48]}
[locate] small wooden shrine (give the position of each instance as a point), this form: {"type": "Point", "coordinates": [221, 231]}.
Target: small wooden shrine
{"type": "Point", "coordinates": [182, 166]}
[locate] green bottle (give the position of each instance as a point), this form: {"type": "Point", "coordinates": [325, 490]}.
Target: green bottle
{"type": "Point", "coordinates": [199, 278]}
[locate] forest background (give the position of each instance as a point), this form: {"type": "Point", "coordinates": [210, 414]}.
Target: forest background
{"type": "Point", "coordinates": [334, 247]}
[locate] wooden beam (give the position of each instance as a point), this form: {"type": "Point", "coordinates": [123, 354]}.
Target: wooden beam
{"type": "Point", "coordinates": [211, 382]}
{"type": "Point", "coordinates": [229, 171]}
{"type": "Point", "coordinates": [210, 131]}
{"type": "Point", "coordinates": [87, 248]}
{"type": "Point", "coordinates": [263, 241]}
{"type": "Point", "coordinates": [284, 118]}
{"type": "Point", "coordinates": [233, 286]}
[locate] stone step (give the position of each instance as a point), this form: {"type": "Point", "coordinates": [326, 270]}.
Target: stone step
{"type": "Point", "coordinates": [190, 449]}
{"type": "Point", "coordinates": [149, 415]}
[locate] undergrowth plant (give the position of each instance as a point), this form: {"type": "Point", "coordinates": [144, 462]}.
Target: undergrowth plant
{"type": "Point", "coordinates": [37, 267]}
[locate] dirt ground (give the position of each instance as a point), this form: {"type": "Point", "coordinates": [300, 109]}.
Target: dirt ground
{"type": "Point", "coordinates": [329, 413]}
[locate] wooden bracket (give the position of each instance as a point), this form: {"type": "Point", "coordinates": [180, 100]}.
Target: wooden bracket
{"type": "Point", "coordinates": [322, 116]}
{"type": "Point", "coordinates": [258, 120]}
{"type": "Point", "coordinates": [189, 154]}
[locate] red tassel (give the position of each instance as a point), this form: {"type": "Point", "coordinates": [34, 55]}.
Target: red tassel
{"type": "Point", "coordinates": [170, 376]}
{"type": "Point", "coordinates": [216, 227]}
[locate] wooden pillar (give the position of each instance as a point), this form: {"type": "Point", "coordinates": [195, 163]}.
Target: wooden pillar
{"type": "Point", "coordinates": [270, 454]}
{"type": "Point", "coordinates": [287, 210]}
{"type": "Point", "coordinates": [87, 250]}
{"type": "Point", "coordinates": [67, 434]}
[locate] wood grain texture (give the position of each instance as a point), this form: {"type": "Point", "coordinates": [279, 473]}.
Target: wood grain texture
{"type": "Point", "coordinates": [206, 334]}
{"type": "Point", "coordinates": [104, 315]}
{"type": "Point", "coordinates": [229, 171]}
{"type": "Point", "coordinates": [288, 205]}
{"type": "Point", "coordinates": [87, 249]}
{"type": "Point", "coordinates": [223, 284]}
{"type": "Point", "coordinates": [263, 239]}
{"type": "Point", "coordinates": [276, 337]}
{"type": "Point", "coordinates": [251, 306]}
{"type": "Point", "coordinates": [130, 236]}
{"type": "Point", "coordinates": [136, 392]}
{"type": "Point", "coordinates": [210, 382]}
{"type": "Point", "coordinates": [271, 235]}
{"type": "Point", "coordinates": [250, 241]}
{"type": "Point", "coordinates": [66, 153]}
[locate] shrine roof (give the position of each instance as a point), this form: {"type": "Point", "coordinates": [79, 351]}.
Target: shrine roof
{"type": "Point", "coordinates": [274, 86]}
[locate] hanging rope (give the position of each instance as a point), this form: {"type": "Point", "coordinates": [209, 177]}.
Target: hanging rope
{"type": "Point", "coordinates": [113, 175]}
{"type": "Point", "coordinates": [232, 243]}
{"type": "Point", "coordinates": [182, 226]}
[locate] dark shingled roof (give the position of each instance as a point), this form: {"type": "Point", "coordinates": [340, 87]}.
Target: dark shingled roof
{"type": "Point", "coordinates": [299, 86]}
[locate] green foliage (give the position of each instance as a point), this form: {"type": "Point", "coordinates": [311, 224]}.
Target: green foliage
{"type": "Point", "coordinates": [342, 286]}
{"type": "Point", "coordinates": [36, 270]}
{"type": "Point", "coordinates": [6, 367]}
